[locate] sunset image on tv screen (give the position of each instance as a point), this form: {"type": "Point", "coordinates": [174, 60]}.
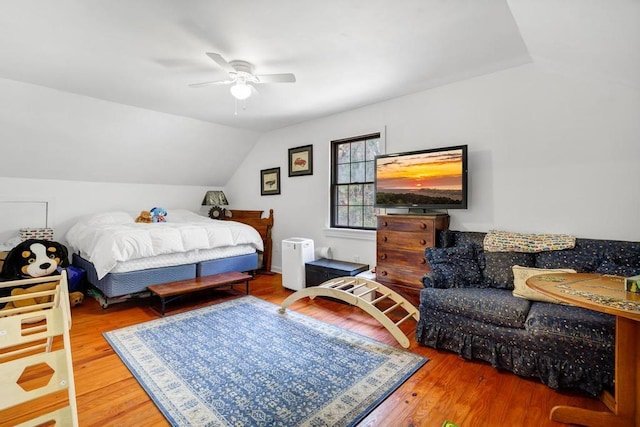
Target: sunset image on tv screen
{"type": "Point", "coordinates": [432, 178]}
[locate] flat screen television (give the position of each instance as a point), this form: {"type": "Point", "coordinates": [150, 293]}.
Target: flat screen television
{"type": "Point", "coordinates": [425, 180]}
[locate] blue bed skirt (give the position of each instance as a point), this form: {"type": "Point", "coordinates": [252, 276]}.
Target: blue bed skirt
{"type": "Point", "coordinates": [118, 284]}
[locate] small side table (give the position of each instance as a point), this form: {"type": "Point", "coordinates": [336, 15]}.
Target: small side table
{"type": "Point", "coordinates": [321, 270]}
{"type": "Point", "coordinates": [605, 294]}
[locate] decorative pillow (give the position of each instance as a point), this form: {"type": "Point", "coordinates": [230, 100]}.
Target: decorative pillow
{"type": "Point", "coordinates": [497, 269]}
{"type": "Point", "coordinates": [625, 254]}
{"type": "Point", "coordinates": [584, 258]}
{"type": "Point", "coordinates": [505, 241]}
{"type": "Point", "coordinates": [457, 265]}
{"type": "Point", "coordinates": [520, 288]}
{"type": "Point", "coordinates": [610, 267]}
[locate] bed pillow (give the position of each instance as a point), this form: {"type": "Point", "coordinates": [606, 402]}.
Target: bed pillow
{"type": "Point", "coordinates": [520, 288]}
{"type": "Point", "coordinates": [456, 265]}
{"type": "Point", "coordinates": [184, 215]}
{"type": "Point", "coordinates": [107, 218]}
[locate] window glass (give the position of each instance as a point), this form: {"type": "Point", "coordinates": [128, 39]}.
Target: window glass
{"type": "Point", "coordinates": [352, 181]}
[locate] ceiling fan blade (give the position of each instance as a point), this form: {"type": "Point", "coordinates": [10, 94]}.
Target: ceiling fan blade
{"type": "Point", "coordinates": [216, 82]}
{"type": "Point", "coordinates": [218, 59]}
{"type": "Point", "coordinates": [276, 78]}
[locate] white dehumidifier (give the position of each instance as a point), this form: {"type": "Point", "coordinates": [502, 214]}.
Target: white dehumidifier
{"type": "Point", "coordinates": [296, 252]}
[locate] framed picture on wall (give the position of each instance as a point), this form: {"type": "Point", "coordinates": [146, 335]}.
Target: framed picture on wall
{"type": "Point", "coordinates": [269, 181]}
{"type": "Point", "coordinates": [301, 160]}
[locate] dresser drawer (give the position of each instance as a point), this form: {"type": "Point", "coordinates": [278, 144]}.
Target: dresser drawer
{"type": "Point", "coordinates": [409, 277]}
{"type": "Point", "coordinates": [405, 241]}
{"type": "Point", "coordinates": [400, 244]}
{"type": "Point", "coordinates": [402, 258]}
{"type": "Point", "coordinates": [404, 223]}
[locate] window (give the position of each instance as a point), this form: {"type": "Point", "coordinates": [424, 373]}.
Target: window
{"type": "Point", "coordinates": [352, 181]}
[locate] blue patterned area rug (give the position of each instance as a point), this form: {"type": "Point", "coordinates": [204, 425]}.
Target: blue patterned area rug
{"type": "Point", "coordinates": [242, 363]}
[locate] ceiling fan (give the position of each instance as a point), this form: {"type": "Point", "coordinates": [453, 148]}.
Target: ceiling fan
{"type": "Point", "coordinates": [242, 78]}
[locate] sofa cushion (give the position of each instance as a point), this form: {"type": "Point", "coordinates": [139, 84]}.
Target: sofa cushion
{"type": "Point", "coordinates": [520, 288]}
{"type": "Point", "coordinates": [498, 271]}
{"type": "Point", "coordinates": [626, 254]}
{"type": "Point", "coordinates": [584, 258]}
{"type": "Point", "coordinates": [572, 325]}
{"type": "Point", "coordinates": [494, 306]}
{"type": "Point", "coordinates": [455, 266]}
{"type": "Point", "coordinates": [610, 267]}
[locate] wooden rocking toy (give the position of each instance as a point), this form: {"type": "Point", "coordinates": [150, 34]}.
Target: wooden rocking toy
{"type": "Point", "coordinates": [365, 294]}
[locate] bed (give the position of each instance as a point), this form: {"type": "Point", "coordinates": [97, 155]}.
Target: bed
{"type": "Point", "coordinates": [121, 257]}
{"type": "Point", "coordinates": [262, 225]}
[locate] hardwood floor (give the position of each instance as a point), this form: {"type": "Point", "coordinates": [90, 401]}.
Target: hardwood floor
{"type": "Point", "coordinates": [446, 388]}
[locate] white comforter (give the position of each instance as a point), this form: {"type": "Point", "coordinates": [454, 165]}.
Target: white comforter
{"type": "Point", "coordinates": [108, 238]}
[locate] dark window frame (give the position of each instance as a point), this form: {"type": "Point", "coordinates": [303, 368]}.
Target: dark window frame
{"type": "Point", "coordinates": [334, 219]}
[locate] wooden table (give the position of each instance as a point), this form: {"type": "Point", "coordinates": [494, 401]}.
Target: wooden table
{"type": "Point", "coordinates": [605, 294]}
{"type": "Point", "coordinates": [173, 290]}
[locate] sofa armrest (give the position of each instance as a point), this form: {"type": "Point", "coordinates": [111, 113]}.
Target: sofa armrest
{"type": "Point", "coordinates": [434, 280]}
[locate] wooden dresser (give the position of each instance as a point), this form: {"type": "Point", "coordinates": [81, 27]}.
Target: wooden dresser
{"type": "Point", "coordinates": [401, 241]}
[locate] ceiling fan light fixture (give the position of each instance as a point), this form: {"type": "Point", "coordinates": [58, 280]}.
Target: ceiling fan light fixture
{"type": "Point", "coordinates": [240, 90]}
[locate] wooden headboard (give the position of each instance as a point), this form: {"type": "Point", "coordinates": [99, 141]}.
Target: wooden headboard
{"type": "Point", "coordinates": [263, 225]}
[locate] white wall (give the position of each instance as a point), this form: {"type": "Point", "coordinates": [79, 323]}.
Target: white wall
{"type": "Point", "coordinates": [86, 155]}
{"type": "Point", "coordinates": [549, 152]}
{"type": "Point", "coordinates": [69, 200]}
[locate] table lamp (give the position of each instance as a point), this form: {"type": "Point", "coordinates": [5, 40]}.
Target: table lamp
{"type": "Point", "coordinates": [215, 198]}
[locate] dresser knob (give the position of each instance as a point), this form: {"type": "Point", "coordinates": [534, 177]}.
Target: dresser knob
{"type": "Point", "coordinates": [423, 261]}
{"type": "Point", "coordinates": [385, 223]}
{"type": "Point", "coordinates": [383, 256]}
{"type": "Point", "coordinates": [384, 238]}
{"type": "Point", "coordinates": [383, 273]}
{"type": "Point", "coordinates": [423, 242]}
{"type": "Point", "coordinates": [423, 225]}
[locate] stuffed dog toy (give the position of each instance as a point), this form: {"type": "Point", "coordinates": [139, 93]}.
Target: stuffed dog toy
{"type": "Point", "coordinates": [158, 214]}
{"type": "Point", "coordinates": [34, 258]}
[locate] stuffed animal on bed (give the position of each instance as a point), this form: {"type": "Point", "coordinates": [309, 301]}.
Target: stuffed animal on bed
{"type": "Point", "coordinates": [159, 215]}
{"type": "Point", "coordinates": [35, 258]}
{"type": "Point", "coordinates": [145, 216]}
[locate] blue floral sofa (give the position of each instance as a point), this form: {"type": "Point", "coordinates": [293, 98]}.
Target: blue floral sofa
{"type": "Point", "coordinates": [468, 306]}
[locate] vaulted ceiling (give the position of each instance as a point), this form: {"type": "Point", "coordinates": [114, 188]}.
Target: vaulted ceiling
{"type": "Point", "coordinates": [345, 54]}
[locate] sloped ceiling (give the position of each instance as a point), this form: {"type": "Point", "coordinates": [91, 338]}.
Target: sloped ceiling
{"type": "Point", "coordinates": [345, 54]}
{"type": "Point", "coordinates": [593, 37]}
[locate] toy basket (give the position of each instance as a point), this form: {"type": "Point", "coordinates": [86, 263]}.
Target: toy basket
{"type": "Point", "coordinates": [36, 233]}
